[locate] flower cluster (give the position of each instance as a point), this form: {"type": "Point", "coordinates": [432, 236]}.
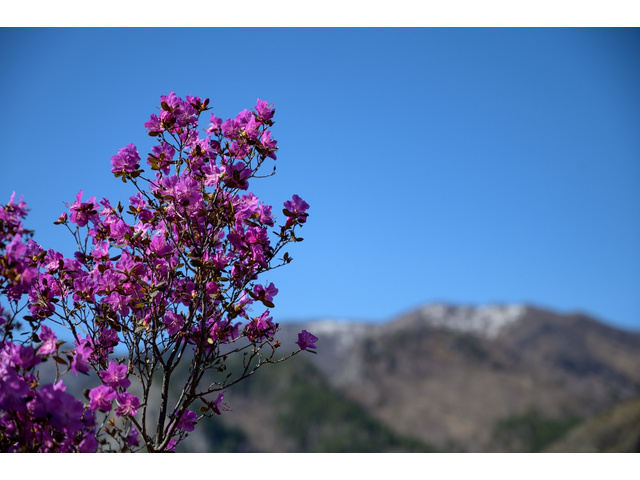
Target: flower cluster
{"type": "Point", "coordinates": [170, 278]}
{"type": "Point", "coordinates": [17, 272]}
{"type": "Point", "coordinates": [45, 419]}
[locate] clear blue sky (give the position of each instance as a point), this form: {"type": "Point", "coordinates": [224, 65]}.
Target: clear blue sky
{"type": "Point", "coordinates": [461, 165]}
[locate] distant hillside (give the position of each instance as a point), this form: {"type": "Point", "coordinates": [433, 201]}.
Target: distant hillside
{"type": "Point", "coordinates": [443, 377]}
{"type": "Point", "coordinates": [617, 430]}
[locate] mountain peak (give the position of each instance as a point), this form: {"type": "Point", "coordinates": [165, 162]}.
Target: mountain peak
{"type": "Point", "coordinates": [485, 320]}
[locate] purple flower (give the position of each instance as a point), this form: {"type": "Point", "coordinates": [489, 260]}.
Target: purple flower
{"type": "Point", "coordinates": [61, 219]}
{"type": "Point", "coordinates": [265, 110]}
{"type": "Point", "coordinates": [100, 398]}
{"type": "Point", "coordinates": [84, 287]}
{"type": "Point", "coordinates": [267, 141]}
{"type": "Point", "coordinates": [230, 128]}
{"type": "Point", "coordinates": [257, 235]}
{"type": "Point", "coordinates": [171, 447]}
{"type": "Point", "coordinates": [127, 405]}
{"type": "Point", "coordinates": [115, 375]}
{"type": "Point", "coordinates": [219, 406]}
{"type": "Point", "coordinates": [212, 174]}
{"type": "Point", "coordinates": [260, 327]}
{"type": "Point", "coordinates": [243, 118]}
{"type": "Point", "coordinates": [187, 421]}
{"type": "Point", "coordinates": [49, 341]}
{"type": "Point", "coordinates": [53, 261]}
{"type": "Point", "coordinates": [101, 251]}
{"type": "Point", "coordinates": [118, 303]}
{"type": "Point", "coordinates": [214, 127]}
{"type": "Point", "coordinates": [82, 213]}
{"type": "Point", "coordinates": [265, 294]}
{"type": "Point", "coordinates": [187, 191]}
{"type": "Point", "coordinates": [80, 362]}
{"type": "Point", "coordinates": [13, 388]}
{"type": "Point", "coordinates": [133, 439]}
{"type": "Point", "coordinates": [239, 150]}
{"type": "Point", "coordinates": [306, 340]}
{"type": "Point", "coordinates": [223, 330]}
{"type": "Point", "coordinates": [108, 337]}
{"type": "Point", "coordinates": [23, 357]}
{"type": "Point", "coordinates": [174, 322]}
{"type": "Point", "coordinates": [161, 157]}
{"type": "Point", "coordinates": [16, 249]}
{"type": "Point", "coordinates": [154, 125]}
{"type": "Point", "coordinates": [159, 246]}
{"type": "Point", "coordinates": [295, 210]}
{"type": "Point", "coordinates": [251, 129]}
{"type": "Point", "coordinates": [62, 409]}
{"type": "Point", "coordinates": [127, 160]}
{"type": "Point", "coordinates": [16, 210]}
{"type": "Point", "coordinates": [236, 175]}
{"type": "Point", "coordinates": [172, 101]}
{"type": "Point", "coordinates": [175, 113]}
{"type": "Point", "coordinates": [269, 144]}
{"type": "Point", "coordinates": [89, 444]}
{"type": "Point", "coordinates": [197, 103]}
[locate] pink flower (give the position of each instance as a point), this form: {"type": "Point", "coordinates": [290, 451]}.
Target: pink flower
{"type": "Point", "coordinates": [89, 444]}
{"type": "Point", "coordinates": [101, 251]}
{"type": "Point", "coordinates": [260, 328]}
{"type": "Point", "coordinates": [236, 175]}
{"type": "Point", "coordinates": [187, 421]}
{"type": "Point", "coordinates": [133, 439]}
{"type": "Point", "coordinates": [174, 322]}
{"type": "Point", "coordinates": [296, 208]}
{"type": "Point", "coordinates": [269, 144]}
{"type": "Point", "coordinates": [83, 212]}
{"type": "Point", "coordinates": [100, 398]}
{"type": "Point", "coordinates": [219, 406]}
{"type": "Point", "coordinates": [265, 110]}
{"type": "Point", "coordinates": [115, 375]}
{"type": "Point", "coordinates": [127, 405]}
{"type": "Point", "coordinates": [23, 357]}
{"type": "Point", "coordinates": [49, 341]}
{"type": "Point", "coordinates": [265, 294]}
{"type": "Point", "coordinates": [80, 362]}
{"type": "Point", "coordinates": [214, 127]}
{"type": "Point", "coordinates": [306, 340]}
{"type": "Point", "coordinates": [127, 160]}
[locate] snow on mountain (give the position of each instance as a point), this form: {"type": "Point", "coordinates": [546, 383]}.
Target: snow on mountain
{"type": "Point", "coordinates": [345, 331]}
{"type": "Point", "coordinates": [486, 321]}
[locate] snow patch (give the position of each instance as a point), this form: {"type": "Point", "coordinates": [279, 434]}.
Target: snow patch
{"type": "Point", "coordinates": [487, 320]}
{"type": "Point", "coordinates": [344, 332]}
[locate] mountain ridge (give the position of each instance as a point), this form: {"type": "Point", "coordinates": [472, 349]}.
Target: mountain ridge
{"type": "Point", "coordinates": [463, 378]}
{"type": "Point", "coordinates": [339, 321]}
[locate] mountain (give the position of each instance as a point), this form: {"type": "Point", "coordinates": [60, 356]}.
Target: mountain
{"type": "Point", "coordinates": [617, 430]}
{"type": "Point", "coordinates": [500, 378]}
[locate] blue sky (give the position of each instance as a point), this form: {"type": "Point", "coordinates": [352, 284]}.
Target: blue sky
{"type": "Point", "coordinates": [469, 166]}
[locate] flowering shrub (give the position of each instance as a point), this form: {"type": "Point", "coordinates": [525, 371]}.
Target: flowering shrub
{"type": "Point", "coordinates": [169, 280]}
